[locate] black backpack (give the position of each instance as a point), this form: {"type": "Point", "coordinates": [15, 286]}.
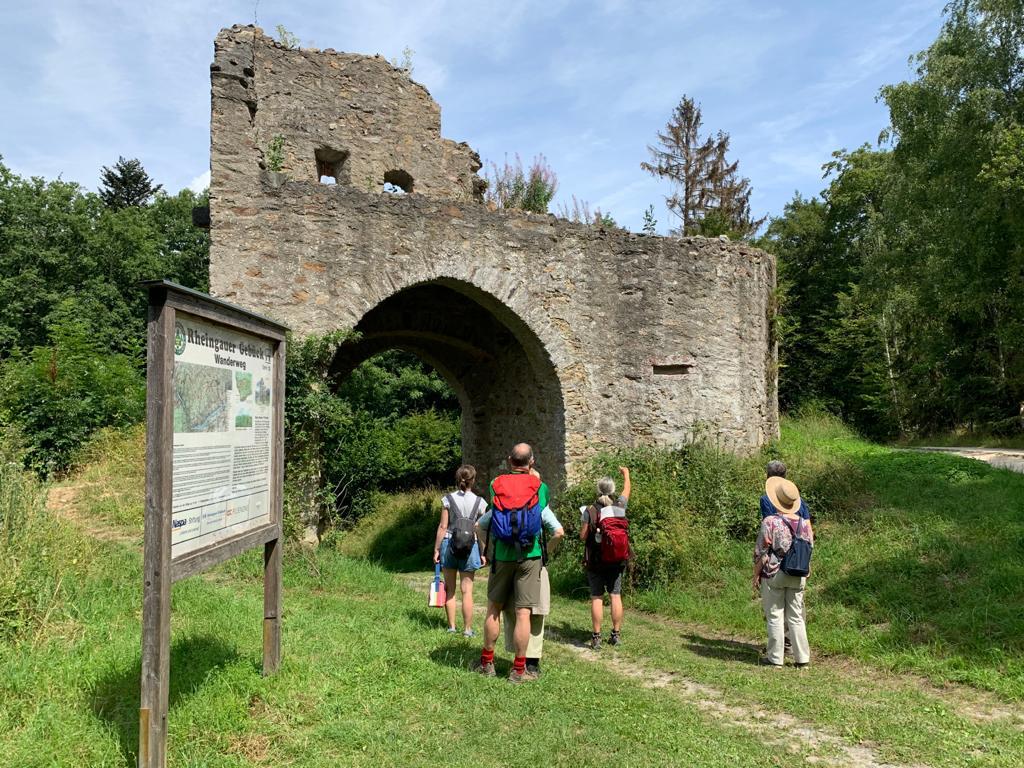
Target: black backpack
{"type": "Point", "coordinates": [797, 561]}
{"type": "Point", "coordinates": [462, 528]}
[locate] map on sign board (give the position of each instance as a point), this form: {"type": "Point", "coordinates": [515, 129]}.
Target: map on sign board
{"type": "Point", "coordinates": [223, 424]}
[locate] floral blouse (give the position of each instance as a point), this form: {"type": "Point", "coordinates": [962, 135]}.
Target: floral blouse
{"type": "Point", "coordinates": [774, 540]}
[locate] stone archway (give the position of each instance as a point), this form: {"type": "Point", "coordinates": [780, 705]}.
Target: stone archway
{"type": "Point", "coordinates": [625, 339]}
{"type": "Point", "coordinates": [505, 379]}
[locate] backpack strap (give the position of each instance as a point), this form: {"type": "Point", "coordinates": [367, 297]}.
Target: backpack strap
{"type": "Point", "coordinates": [477, 514]}
{"type": "Point", "coordinates": [451, 507]}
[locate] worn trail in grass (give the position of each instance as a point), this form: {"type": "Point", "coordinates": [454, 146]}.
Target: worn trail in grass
{"type": "Point", "coordinates": [847, 713]}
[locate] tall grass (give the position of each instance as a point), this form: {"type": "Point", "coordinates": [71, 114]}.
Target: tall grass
{"type": "Point", "coordinates": [28, 590]}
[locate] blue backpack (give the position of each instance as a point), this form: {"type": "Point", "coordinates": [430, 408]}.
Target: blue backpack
{"type": "Point", "coordinates": [516, 515]}
{"type": "Point", "coordinates": [797, 561]}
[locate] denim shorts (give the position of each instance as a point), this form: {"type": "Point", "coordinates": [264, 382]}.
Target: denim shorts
{"type": "Point", "coordinates": [462, 565]}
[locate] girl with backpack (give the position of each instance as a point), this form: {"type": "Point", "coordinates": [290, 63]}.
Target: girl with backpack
{"type": "Point", "coordinates": [456, 546]}
{"type": "Point", "coordinates": [604, 530]}
{"type": "Point", "coordinates": [782, 562]}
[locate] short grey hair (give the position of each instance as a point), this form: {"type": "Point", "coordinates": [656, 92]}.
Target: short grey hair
{"type": "Point", "coordinates": [606, 487]}
{"type": "Point", "coordinates": [775, 469]}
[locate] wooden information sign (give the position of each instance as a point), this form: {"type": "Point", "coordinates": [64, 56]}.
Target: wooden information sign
{"type": "Point", "coordinates": [214, 470]}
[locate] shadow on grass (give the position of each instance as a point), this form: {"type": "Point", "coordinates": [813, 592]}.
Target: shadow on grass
{"type": "Point", "coordinates": [464, 655]}
{"type": "Point", "coordinates": [725, 650]}
{"type": "Point", "coordinates": [431, 618]}
{"type": "Point", "coordinates": [952, 578]}
{"type": "Point", "coordinates": [407, 543]}
{"type": "Point", "coordinates": [115, 697]}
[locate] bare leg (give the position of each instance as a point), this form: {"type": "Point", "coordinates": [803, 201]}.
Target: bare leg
{"type": "Point", "coordinates": [492, 625]}
{"type": "Point", "coordinates": [467, 601]}
{"type": "Point", "coordinates": [522, 634]}
{"type": "Point", "coordinates": [597, 612]}
{"type": "Point", "coordinates": [449, 592]}
{"type": "Point", "coordinates": [617, 612]}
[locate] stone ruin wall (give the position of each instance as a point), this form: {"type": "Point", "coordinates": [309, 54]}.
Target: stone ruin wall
{"type": "Point", "coordinates": [622, 339]}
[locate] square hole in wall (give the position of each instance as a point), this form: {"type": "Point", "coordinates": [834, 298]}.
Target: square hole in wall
{"type": "Point", "coordinates": [330, 165]}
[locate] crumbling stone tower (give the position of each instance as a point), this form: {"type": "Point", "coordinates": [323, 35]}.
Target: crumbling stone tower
{"type": "Point", "coordinates": [570, 337]}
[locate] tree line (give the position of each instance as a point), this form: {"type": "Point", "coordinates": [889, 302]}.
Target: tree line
{"type": "Point", "coordinates": [902, 286]}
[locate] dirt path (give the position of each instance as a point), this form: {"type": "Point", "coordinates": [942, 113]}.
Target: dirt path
{"type": "Point", "coordinates": [1000, 458]}
{"type": "Point", "coordinates": [62, 501]}
{"type": "Point", "coordinates": [969, 703]}
{"type": "Point", "coordinates": [774, 728]}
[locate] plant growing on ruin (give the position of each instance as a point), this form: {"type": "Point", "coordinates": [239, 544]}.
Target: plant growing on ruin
{"type": "Point", "coordinates": [275, 153]}
{"type": "Point", "coordinates": [511, 187]}
{"type": "Point", "coordinates": [405, 63]}
{"type": "Point", "coordinates": [286, 38]}
{"type": "Point", "coordinates": [650, 223]}
{"type": "Point", "coordinates": [580, 213]}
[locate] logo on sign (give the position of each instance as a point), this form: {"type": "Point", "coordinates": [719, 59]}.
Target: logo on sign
{"type": "Point", "coordinates": [179, 338]}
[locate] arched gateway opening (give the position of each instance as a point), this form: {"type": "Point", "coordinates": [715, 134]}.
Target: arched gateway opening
{"type": "Point", "coordinates": [504, 378]}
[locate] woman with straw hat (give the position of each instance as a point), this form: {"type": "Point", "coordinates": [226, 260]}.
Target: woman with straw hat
{"type": "Point", "coordinates": [782, 594]}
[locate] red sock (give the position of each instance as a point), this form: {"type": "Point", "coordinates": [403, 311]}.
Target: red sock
{"type": "Point", "coordinates": [519, 664]}
{"type": "Point", "coordinates": [487, 657]}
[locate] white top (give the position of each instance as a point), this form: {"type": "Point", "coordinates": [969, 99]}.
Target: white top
{"type": "Point", "coordinates": [619, 510]}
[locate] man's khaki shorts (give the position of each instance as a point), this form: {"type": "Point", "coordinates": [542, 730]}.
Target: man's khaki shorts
{"type": "Point", "coordinates": [516, 583]}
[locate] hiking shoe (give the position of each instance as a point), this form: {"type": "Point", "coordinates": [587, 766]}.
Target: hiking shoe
{"type": "Point", "coordinates": [526, 676]}
{"type": "Point", "coordinates": [595, 640]}
{"type": "Point", "coordinates": [533, 669]}
{"type": "Point", "coordinates": [452, 630]}
{"type": "Point", "coordinates": [764, 661]}
{"type": "Point", "coordinates": [469, 633]}
{"type": "Point", "coordinates": [615, 638]}
{"type": "Point", "coordinates": [802, 664]}
{"type": "Point", "coordinates": [487, 670]}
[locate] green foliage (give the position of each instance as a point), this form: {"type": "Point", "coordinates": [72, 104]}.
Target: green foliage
{"type": "Point", "coordinates": [391, 425]}
{"type": "Point", "coordinates": [689, 505]}
{"type": "Point", "coordinates": [127, 185]}
{"type": "Point", "coordinates": [902, 288]}
{"type": "Point", "coordinates": [275, 153]}
{"type": "Point", "coordinates": [58, 242]}
{"type": "Point", "coordinates": [72, 314]}
{"type": "Point", "coordinates": [512, 187]}
{"type": "Point", "coordinates": [57, 395]}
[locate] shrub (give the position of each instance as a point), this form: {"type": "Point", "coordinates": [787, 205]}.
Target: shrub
{"type": "Point", "coordinates": [512, 187]}
{"type": "Point", "coordinates": [58, 395]}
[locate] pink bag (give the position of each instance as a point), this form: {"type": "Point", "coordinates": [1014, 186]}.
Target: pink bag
{"type": "Point", "coordinates": [437, 597]}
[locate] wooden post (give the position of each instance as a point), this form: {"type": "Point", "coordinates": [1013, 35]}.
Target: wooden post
{"type": "Point", "coordinates": [272, 550]}
{"type": "Point", "coordinates": [156, 566]}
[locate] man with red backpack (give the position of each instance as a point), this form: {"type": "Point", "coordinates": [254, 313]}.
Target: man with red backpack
{"type": "Point", "coordinates": [514, 525]}
{"type": "Point", "coordinates": [604, 530]}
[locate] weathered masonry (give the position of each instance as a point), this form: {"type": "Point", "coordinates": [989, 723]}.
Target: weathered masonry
{"type": "Point", "coordinates": [567, 336]}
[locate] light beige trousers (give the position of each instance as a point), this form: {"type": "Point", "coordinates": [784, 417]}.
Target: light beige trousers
{"type": "Point", "coordinates": [782, 597]}
{"type": "Point", "coordinates": [535, 648]}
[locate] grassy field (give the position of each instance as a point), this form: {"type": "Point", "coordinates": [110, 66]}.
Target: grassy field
{"type": "Point", "coordinates": [370, 678]}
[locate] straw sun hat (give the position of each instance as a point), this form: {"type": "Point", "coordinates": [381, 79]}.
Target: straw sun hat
{"type": "Point", "coordinates": [783, 494]}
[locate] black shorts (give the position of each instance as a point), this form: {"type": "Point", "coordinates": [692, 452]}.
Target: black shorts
{"type": "Point", "coordinates": [606, 578]}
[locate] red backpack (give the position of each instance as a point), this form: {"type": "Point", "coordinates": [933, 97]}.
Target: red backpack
{"type": "Point", "coordinates": [608, 540]}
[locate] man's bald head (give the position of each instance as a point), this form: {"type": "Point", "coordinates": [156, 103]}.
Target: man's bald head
{"type": "Point", "coordinates": [521, 456]}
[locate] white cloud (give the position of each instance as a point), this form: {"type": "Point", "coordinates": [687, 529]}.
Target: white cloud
{"type": "Point", "coordinates": [200, 183]}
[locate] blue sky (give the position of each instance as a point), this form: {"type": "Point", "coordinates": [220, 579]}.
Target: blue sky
{"type": "Point", "coordinates": [588, 84]}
